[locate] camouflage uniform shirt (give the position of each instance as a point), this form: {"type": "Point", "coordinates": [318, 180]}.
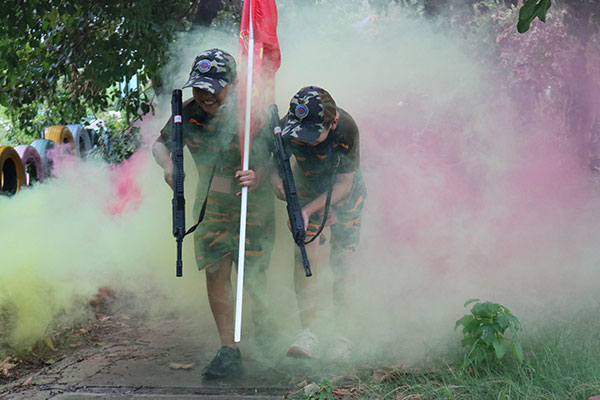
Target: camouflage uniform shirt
{"type": "Point", "coordinates": [214, 140]}
{"type": "Point", "coordinates": [316, 167]}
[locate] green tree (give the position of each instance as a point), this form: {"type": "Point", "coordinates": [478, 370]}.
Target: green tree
{"type": "Point", "coordinates": [60, 60]}
{"type": "Point", "coordinates": [582, 19]}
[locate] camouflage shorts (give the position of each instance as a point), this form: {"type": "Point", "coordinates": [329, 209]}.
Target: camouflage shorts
{"type": "Point", "coordinates": [218, 234]}
{"type": "Point", "coordinates": [345, 233]}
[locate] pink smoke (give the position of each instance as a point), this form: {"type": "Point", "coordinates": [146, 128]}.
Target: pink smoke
{"type": "Point", "coordinates": [431, 193]}
{"type": "Point", "coordinates": [125, 179]}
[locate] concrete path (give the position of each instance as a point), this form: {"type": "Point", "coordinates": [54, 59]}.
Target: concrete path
{"type": "Point", "coordinates": [130, 358]}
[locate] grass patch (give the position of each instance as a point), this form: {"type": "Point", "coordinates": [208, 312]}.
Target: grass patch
{"type": "Point", "coordinates": [562, 362]}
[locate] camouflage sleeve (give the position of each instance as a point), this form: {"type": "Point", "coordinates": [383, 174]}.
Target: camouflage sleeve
{"type": "Point", "coordinates": [166, 133]}
{"type": "Point", "coordinates": [349, 144]}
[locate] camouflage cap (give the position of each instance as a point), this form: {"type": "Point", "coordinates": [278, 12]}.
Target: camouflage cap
{"type": "Point", "coordinates": [212, 70]}
{"type": "Point", "coordinates": [311, 109]}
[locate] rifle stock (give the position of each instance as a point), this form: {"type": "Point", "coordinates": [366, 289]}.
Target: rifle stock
{"type": "Point", "coordinates": [178, 197]}
{"type": "Point", "coordinates": [291, 196]}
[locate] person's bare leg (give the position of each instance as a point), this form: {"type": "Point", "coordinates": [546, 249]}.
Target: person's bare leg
{"type": "Point", "coordinates": [218, 288]}
{"type": "Point", "coordinates": [307, 288]}
{"type": "Point", "coordinates": [255, 284]}
{"type": "Point", "coordinates": [344, 282]}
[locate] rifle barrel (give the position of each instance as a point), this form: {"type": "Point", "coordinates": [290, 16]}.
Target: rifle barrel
{"type": "Point", "coordinates": [291, 196]}
{"type": "Point", "coordinates": [305, 262]}
{"type": "Point", "coordinates": [178, 184]}
{"type": "Point", "coordinates": [179, 262]}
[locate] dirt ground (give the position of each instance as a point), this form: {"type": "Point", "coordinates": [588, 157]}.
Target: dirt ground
{"type": "Point", "coordinates": [121, 355]}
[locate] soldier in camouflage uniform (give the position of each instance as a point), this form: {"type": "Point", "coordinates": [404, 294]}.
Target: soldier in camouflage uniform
{"type": "Point", "coordinates": [209, 125]}
{"type": "Point", "coordinates": [324, 140]}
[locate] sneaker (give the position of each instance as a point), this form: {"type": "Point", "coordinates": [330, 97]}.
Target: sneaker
{"type": "Point", "coordinates": [306, 345]}
{"type": "Point", "coordinates": [227, 362]}
{"type": "Point", "coordinates": [341, 349]}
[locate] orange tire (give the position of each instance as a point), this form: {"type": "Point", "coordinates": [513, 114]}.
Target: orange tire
{"type": "Point", "coordinates": [59, 134]}
{"type": "Point", "coordinates": [12, 172]}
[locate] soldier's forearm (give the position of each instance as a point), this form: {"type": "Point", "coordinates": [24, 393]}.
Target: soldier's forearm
{"type": "Point", "coordinates": [161, 154]}
{"type": "Point", "coordinates": [341, 189]}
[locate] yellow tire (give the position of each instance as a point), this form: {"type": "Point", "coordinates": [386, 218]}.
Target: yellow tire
{"type": "Point", "coordinates": [12, 172]}
{"type": "Point", "coordinates": [59, 134]}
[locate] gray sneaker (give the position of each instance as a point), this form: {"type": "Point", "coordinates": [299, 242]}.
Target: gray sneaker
{"type": "Point", "coordinates": [305, 345]}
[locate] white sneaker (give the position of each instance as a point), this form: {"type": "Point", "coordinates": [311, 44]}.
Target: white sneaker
{"type": "Point", "coordinates": [306, 345]}
{"type": "Point", "coordinates": [341, 349]}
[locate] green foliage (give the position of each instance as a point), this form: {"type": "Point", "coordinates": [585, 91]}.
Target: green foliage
{"type": "Point", "coordinates": [61, 61]}
{"type": "Point", "coordinates": [113, 140]}
{"type": "Point", "coordinates": [485, 333]}
{"type": "Point", "coordinates": [547, 48]}
{"type": "Point", "coordinates": [324, 391]}
{"type": "Point", "coordinates": [563, 362]}
{"type": "Point", "coordinates": [228, 18]}
{"type": "Point", "coordinates": [531, 10]}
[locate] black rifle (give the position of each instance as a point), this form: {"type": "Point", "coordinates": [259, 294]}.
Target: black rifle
{"type": "Point", "coordinates": [178, 198]}
{"type": "Point", "coordinates": [291, 197]}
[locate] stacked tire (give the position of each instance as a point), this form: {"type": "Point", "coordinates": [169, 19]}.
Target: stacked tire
{"type": "Point", "coordinates": [32, 163]}
{"type": "Point", "coordinates": [44, 147]}
{"type": "Point", "coordinates": [28, 164]}
{"type": "Point", "coordinates": [12, 172]}
{"type": "Point", "coordinates": [82, 140]}
{"type": "Point", "coordinates": [60, 135]}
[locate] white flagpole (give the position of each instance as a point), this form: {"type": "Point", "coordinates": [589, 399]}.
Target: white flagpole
{"type": "Point", "coordinates": [242, 244]}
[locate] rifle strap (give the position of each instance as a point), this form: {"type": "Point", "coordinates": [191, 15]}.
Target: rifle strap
{"type": "Point", "coordinates": [327, 204]}
{"type": "Point", "coordinates": [328, 200]}
{"type": "Point", "coordinates": [203, 210]}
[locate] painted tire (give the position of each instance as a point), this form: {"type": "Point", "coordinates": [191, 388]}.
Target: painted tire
{"type": "Point", "coordinates": [43, 146]}
{"type": "Point", "coordinates": [32, 163]}
{"type": "Point", "coordinates": [59, 134]}
{"type": "Point", "coordinates": [12, 173]}
{"type": "Point", "coordinates": [83, 144]}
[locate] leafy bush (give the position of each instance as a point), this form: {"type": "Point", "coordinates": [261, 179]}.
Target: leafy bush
{"type": "Point", "coordinates": [113, 141]}
{"type": "Point", "coordinates": [323, 391]}
{"type": "Point", "coordinates": [485, 333]}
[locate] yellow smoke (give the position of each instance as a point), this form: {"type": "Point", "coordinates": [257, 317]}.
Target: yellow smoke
{"type": "Point", "coordinates": [58, 242]}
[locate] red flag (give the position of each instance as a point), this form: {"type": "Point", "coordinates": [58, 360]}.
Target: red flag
{"type": "Point", "coordinates": [266, 61]}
